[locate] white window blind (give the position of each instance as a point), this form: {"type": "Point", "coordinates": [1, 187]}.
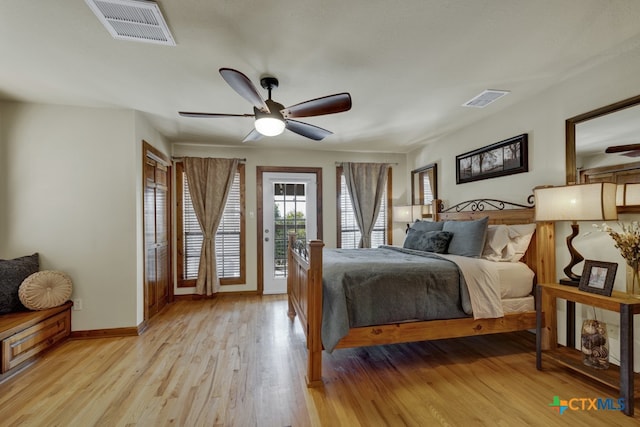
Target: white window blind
{"type": "Point", "coordinates": [350, 234]}
{"type": "Point", "coordinates": [427, 194]}
{"type": "Point", "coordinates": [227, 236]}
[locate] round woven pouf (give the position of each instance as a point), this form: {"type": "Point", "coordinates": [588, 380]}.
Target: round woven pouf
{"type": "Point", "coordinates": [45, 289]}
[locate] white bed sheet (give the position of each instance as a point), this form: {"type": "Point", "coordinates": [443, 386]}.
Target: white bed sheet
{"type": "Point", "coordinates": [518, 305]}
{"type": "Point", "coordinates": [516, 279]}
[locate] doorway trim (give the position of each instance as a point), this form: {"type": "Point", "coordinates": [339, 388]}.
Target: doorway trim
{"type": "Point", "coordinates": [260, 170]}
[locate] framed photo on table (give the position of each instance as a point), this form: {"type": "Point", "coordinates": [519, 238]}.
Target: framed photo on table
{"type": "Point", "coordinates": [597, 277]}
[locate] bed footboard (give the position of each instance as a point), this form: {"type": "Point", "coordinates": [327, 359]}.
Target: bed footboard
{"type": "Point", "coordinates": [304, 289]}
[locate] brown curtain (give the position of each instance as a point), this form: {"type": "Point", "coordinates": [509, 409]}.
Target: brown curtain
{"type": "Point", "coordinates": [209, 185]}
{"type": "Point", "coordinates": [366, 183]}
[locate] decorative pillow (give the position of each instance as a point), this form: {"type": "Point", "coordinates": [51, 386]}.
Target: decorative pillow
{"type": "Point", "coordinates": [468, 236]}
{"type": "Point", "coordinates": [428, 241]}
{"type": "Point", "coordinates": [12, 273]}
{"type": "Point", "coordinates": [427, 225]}
{"type": "Point", "coordinates": [497, 241]}
{"type": "Point", "coordinates": [45, 289]}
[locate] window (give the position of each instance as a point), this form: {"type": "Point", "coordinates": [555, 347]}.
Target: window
{"type": "Point", "coordinates": [348, 232]}
{"type": "Point", "coordinates": [426, 189]}
{"type": "Point", "coordinates": [230, 250]}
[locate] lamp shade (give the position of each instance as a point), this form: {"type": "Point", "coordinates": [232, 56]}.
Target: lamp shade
{"type": "Point", "coordinates": [581, 202]}
{"type": "Point", "coordinates": [410, 213]}
{"type": "Point", "coordinates": [628, 194]}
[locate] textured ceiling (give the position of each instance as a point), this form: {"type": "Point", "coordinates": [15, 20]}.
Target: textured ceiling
{"type": "Point", "coordinates": [408, 64]}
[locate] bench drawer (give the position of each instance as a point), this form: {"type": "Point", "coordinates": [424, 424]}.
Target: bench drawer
{"type": "Point", "coordinates": [26, 344]}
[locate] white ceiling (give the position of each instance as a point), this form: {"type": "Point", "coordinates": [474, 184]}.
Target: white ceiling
{"type": "Point", "coordinates": [408, 64]}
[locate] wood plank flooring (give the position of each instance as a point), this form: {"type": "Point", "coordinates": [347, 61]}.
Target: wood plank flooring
{"type": "Point", "coordinates": [239, 361]}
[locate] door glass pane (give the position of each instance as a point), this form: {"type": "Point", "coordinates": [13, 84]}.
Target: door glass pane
{"type": "Point", "coordinates": [290, 206]}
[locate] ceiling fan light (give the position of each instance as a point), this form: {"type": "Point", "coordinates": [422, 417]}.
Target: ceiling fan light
{"type": "Point", "coordinates": [269, 126]}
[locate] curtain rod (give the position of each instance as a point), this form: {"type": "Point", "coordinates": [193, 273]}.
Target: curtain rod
{"type": "Point", "coordinates": [340, 163]}
{"type": "Point", "coordinates": [179, 159]}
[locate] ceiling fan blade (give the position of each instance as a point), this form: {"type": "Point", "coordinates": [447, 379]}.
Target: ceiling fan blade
{"type": "Point", "coordinates": [211, 115]}
{"type": "Point", "coordinates": [317, 107]}
{"type": "Point", "coordinates": [622, 148]}
{"type": "Point", "coordinates": [305, 129]}
{"type": "Point", "coordinates": [254, 135]}
{"type": "Point", "coordinates": [241, 84]}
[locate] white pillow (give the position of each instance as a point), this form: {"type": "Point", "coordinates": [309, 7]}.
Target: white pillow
{"type": "Point", "coordinates": [507, 243]}
{"type": "Point", "coordinates": [497, 240]}
{"type": "Point", "coordinates": [520, 237]}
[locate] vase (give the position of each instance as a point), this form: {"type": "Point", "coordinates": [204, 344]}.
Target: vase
{"type": "Point", "coordinates": [633, 280]}
{"type": "Point", "coordinates": [595, 345]}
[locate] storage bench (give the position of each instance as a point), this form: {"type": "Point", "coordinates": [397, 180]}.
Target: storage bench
{"type": "Point", "coordinates": [26, 335]}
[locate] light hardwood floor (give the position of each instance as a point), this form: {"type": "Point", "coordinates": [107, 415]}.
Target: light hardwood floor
{"type": "Point", "coordinates": [239, 361]}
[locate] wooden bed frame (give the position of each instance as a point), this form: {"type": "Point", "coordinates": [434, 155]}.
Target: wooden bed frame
{"type": "Point", "coordinates": [304, 288]}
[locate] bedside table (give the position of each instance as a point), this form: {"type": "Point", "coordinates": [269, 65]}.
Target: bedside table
{"type": "Point", "coordinates": [622, 378]}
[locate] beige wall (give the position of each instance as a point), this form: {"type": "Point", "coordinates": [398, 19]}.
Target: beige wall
{"type": "Point", "coordinates": [5, 118]}
{"type": "Point", "coordinates": [274, 157]}
{"type": "Point", "coordinates": [71, 180]}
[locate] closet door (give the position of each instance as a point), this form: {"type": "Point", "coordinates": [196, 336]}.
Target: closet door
{"type": "Point", "coordinates": [157, 258]}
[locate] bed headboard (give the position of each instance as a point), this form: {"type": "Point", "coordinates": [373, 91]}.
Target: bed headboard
{"type": "Point", "coordinates": [499, 212]}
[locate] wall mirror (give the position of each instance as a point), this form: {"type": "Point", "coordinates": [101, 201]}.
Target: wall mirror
{"type": "Point", "coordinates": [588, 135]}
{"type": "Point", "coordinates": [424, 184]}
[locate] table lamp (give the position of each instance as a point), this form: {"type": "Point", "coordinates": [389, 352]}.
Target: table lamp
{"type": "Point", "coordinates": [580, 202]}
{"type": "Point", "coordinates": [628, 194]}
{"type": "Point", "coordinates": [410, 213]}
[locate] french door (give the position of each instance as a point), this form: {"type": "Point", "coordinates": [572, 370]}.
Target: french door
{"type": "Point", "coordinates": [289, 204]}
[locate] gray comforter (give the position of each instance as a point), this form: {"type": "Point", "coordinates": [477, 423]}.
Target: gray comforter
{"type": "Point", "coordinates": [363, 287]}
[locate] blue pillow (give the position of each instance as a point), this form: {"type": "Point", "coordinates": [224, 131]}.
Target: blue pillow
{"type": "Point", "coordinates": [427, 225]}
{"type": "Point", "coordinates": [428, 241]}
{"type": "Point", "coordinates": [468, 237]}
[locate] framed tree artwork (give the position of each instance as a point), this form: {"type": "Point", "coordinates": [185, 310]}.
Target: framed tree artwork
{"type": "Point", "coordinates": [502, 158]}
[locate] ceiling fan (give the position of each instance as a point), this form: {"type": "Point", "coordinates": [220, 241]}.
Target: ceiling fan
{"type": "Point", "coordinates": [629, 150]}
{"type": "Point", "coordinates": [271, 117]}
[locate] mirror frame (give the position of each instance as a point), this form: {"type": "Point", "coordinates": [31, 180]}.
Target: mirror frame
{"type": "Point", "coordinates": [570, 132]}
{"type": "Point", "coordinates": [431, 166]}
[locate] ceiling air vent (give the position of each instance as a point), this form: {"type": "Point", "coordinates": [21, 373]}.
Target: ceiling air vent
{"type": "Point", "coordinates": [136, 20]}
{"type": "Point", "coordinates": [485, 98]}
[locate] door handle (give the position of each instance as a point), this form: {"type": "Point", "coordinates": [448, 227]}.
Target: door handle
{"type": "Point", "coordinates": [266, 239]}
